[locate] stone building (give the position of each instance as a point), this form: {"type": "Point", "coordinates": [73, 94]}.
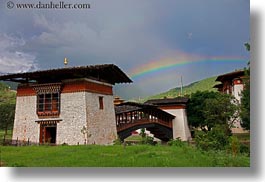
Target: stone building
{"type": "Point", "coordinates": [232, 83]}
{"type": "Point", "coordinates": [66, 105]}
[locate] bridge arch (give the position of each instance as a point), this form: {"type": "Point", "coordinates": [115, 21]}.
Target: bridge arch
{"type": "Point", "coordinates": [131, 116]}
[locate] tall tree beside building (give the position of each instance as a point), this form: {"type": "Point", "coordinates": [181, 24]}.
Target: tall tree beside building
{"type": "Point", "coordinates": [245, 100]}
{"type": "Point", "coordinates": [7, 107]}
{"type": "Point", "coordinates": [208, 109]}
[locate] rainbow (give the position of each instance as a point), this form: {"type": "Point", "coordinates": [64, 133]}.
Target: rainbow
{"type": "Point", "coordinates": [170, 63]}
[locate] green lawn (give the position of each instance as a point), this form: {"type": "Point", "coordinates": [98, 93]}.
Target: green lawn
{"type": "Point", "coordinates": [134, 137]}
{"type": "Point", "coordinates": [117, 156]}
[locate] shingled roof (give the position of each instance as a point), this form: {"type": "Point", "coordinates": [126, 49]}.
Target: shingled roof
{"type": "Point", "coordinates": [133, 106]}
{"type": "Point", "coordinates": [109, 73]}
{"type": "Point", "coordinates": [229, 76]}
{"type": "Point", "coordinates": [218, 86]}
{"type": "Point", "coordinates": [167, 101]}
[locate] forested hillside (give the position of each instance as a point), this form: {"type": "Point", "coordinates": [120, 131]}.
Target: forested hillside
{"type": "Point", "coordinates": [203, 85]}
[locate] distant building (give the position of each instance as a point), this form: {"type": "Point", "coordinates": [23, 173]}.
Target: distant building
{"type": "Point", "coordinates": [66, 105]}
{"type": "Point", "coordinates": [118, 100]}
{"type": "Point", "coordinates": [232, 83]}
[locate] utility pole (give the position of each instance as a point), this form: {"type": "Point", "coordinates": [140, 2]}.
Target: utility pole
{"type": "Point", "coordinates": [181, 86]}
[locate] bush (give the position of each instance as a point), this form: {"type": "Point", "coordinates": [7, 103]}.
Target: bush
{"type": "Point", "coordinates": [216, 139]}
{"type": "Point", "coordinates": [117, 141]}
{"type": "Point", "coordinates": [177, 142]}
{"type": "Point", "coordinates": [234, 145]}
{"type": "Point", "coordinates": [148, 140]}
{"type": "Point", "coordinates": [244, 149]}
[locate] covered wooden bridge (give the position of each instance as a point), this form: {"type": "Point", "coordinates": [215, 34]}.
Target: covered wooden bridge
{"type": "Point", "coordinates": [131, 116]}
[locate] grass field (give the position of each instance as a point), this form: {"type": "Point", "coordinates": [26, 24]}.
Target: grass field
{"type": "Point", "coordinates": [117, 156]}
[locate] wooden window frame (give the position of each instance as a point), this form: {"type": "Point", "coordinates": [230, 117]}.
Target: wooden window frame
{"type": "Point", "coordinates": [101, 102]}
{"type": "Point", "coordinates": [48, 104]}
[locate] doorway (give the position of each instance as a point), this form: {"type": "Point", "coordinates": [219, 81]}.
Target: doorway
{"type": "Point", "coordinates": [48, 134]}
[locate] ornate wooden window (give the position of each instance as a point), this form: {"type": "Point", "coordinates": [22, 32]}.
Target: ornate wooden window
{"type": "Point", "coordinates": [48, 99]}
{"type": "Point", "coordinates": [48, 104]}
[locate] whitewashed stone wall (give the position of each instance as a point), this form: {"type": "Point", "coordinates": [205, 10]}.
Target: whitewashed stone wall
{"type": "Point", "coordinates": [25, 126]}
{"type": "Point", "coordinates": [180, 124]}
{"type": "Point", "coordinates": [237, 91]}
{"type": "Point", "coordinates": [101, 123]}
{"type": "Point", "coordinates": [73, 115]}
{"type": "Point", "coordinates": [81, 110]}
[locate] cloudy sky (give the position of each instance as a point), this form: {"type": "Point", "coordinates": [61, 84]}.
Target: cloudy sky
{"type": "Point", "coordinates": [154, 42]}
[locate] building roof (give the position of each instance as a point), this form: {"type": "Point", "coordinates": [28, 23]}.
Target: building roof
{"type": "Point", "coordinates": [168, 101]}
{"type": "Point", "coordinates": [230, 76]}
{"type": "Point", "coordinates": [133, 106]}
{"type": "Point", "coordinates": [109, 73]}
{"type": "Point", "coordinates": [218, 86]}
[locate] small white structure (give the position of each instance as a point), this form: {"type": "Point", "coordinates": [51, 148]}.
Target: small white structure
{"type": "Point", "coordinates": [177, 108]}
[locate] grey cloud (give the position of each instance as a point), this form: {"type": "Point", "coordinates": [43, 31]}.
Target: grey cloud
{"type": "Point", "coordinates": [129, 33]}
{"type": "Point", "coordinates": [116, 40]}
{"type": "Point", "coordinates": [15, 61]}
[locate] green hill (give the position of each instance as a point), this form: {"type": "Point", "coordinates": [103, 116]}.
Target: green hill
{"type": "Point", "coordinates": [12, 85]}
{"type": "Point", "coordinates": [7, 95]}
{"type": "Point", "coordinates": [202, 85]}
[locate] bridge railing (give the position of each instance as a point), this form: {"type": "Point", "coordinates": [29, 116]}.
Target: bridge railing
{"type": "Point", "coordinates": [142, 122]}
{"type": "Point", "coordinates": [133, 118]}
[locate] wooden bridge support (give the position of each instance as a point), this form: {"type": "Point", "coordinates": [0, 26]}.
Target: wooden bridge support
{"type": "Point", "coordinates": [154, 120]}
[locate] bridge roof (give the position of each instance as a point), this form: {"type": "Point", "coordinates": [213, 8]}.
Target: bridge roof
{"type": "Point", "coordinates": [108, 73]}
{"type": "Point", "coordinates": [133, 106]}
{"type": "Point", "coordinates": [168, 101]}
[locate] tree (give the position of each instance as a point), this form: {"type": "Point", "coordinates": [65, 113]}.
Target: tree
{"type": "Point", "coordinates": [207, 109]}
{"type": "Point", "coordinates": [245, 100]}
{"type": "Point", "coordinates": [222, 109]}
{"type": "Point", "coordinates": [142, 133]}
{"type": "Point", "coordinates": [245, 108]}
{"type": "Point", "coordinates": [195, 109]}
{"type": "Point", "coordinates": [7, 107]}
{"type": "Point", "coordinates": [216, 139]}
{"type": "Point", "coordinates": [7, 113]}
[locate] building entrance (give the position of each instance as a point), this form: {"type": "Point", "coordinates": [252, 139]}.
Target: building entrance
{"type": "Point", "coordinates": [48, 133]}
